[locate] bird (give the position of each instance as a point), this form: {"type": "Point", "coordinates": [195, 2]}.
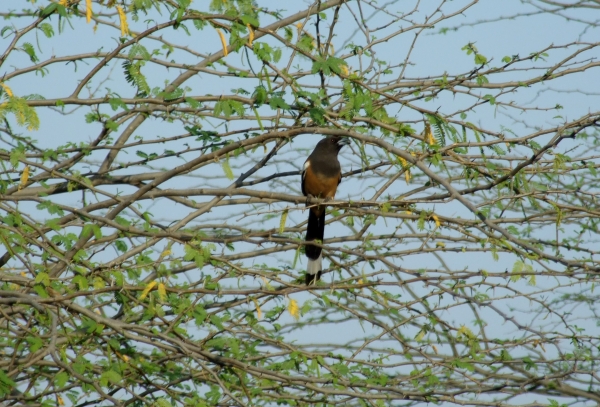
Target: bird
{"type": "Point", "coordinates": [321, 176]}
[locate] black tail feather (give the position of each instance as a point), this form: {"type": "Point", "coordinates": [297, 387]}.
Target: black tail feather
{"type": "Point", "coordinates": [312, 278]}
{"type": "Point", "coordinates": [314, 231]}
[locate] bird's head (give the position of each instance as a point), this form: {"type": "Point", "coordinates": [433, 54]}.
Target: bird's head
{"type": "Point", "coordinates": [336, 142]}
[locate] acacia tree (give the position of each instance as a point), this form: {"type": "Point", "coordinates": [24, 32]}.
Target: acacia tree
{"type": "Point", "coordinates": [152, 218]}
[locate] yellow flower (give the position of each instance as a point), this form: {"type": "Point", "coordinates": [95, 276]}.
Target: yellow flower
{"type": "Point", "coordinates": [428, 135]}
{"type": "Point", "coordinates": [293, 309]}
{"type": "Point", "coordinates": [223, 42]}
{"type": "Point", "coordinates": [406, 169]}
{"type": "Point", "coordinates": [437, 221]}
{"type": "Point", "coordinates": [24, 177]}
{"type": "Point", "coordinates": [258, 310]}
{"type": "Point", "coordinates": [148, 288]}
{"type": "Point", "coordinates": [88, 10]}
{"type": "Point", "coordinates": [162, 292]}
{"type": "Point", "coordinates": [123, 20]}
{"type": "Point", "coordinates": [6, 90]}
{"type": "Point", "coordinates": [250, 35]}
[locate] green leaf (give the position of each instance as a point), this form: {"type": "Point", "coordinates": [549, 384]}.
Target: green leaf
{"type": "Point", "coordinates": [194, 104]}
{"type": "Point", "coordinates": [464, 365]}
{"type": "Point", "coordinates": [190, 252]}
{"type": "Point", "coordinates": [490, 98]}
{"type": "Point", "coordinates": [133, 76]}
{"type": "Point", "coordinates": [53, 224]}
{"type": "Point", "coordinates": [25, 115]}
{"type": "Point", "coordinates": [162, 402]}
{"type": "Point", "coordinates": [288, 34]}
{"type": "Point", "coordinates": [259, 95]}
{"type": "Point", "coordinates": [98, 283]}
{"type": "Point", "coordinates": [199, 24]}
{"type": "Point", "coordinates": [121, 246]}
{"type": "Point", "coordinates": [42, 278]}
{"type": "Point", "coordinates": [138, 49]}
{"type": "Point", "coordinates": [216, 321]}
{"type": "Point", "coordinates": [529, 364]}
{"type": "Point", "coordinates": [317, 115]}
{"type": "Point", "coordinates": [111, 125]}
{"type": "Point", "coordinates": [91, 228]}
{"type": "Point", "coordinates": [248, 19]}
{"type": "Point", "coordinates": [35, 343]}
{"type": "Point", "coordinates": [227, 169]}
{"type": "Point", "coordinates": [222, 108]}
{"type": "Point", "coordinates": [320, 65]}
{"type": "Point", "coordinates": [237, 107]}
{"type": "Point", "coordinates": [440, 128]}
{"type": "Point", "coordinates": [481, 80]}
{"type": "Point", "coordinates": [116, 103]}
{"type": "Point", "coordinates": [16, 155]}
{"type": "Point", "coordinates": [61, 379]}
{"type": "Point", "coordinates": [296, 257]}
{"type": "Point", "coordinates": [194, 254]}
{"type": "Point", "coordinates": [211, 285]}
{"type": "Point", "coordinates": [122, 221]}
{"type": "Point", "coordinates": [336, 64]}
{"type": "Point", "coordinates": [29, 50]}
{"type": "Point", "coordinates": [51, 207]}
{"type": "Point", "coordinates": [110, 376]}
{"type": "Point", "coordinates": [516, 270]}
{"type": "Point", "coordinates": [81, 282]}
{"type": "Point", "coordinates": [421, 221]}
{"type": "Point", "coordinates": [277, 102]}
{"type": "Point", "coordinates": [41, 291]}
{"type": "Point", "coordinates": [480, 59]}
{"type": "Point", "coordinates": [282, 221]}
{"type": "Point", "coordinates": [48, 10]}
{"type": "Point", "coordinates": [306, 43]}
{"type": "Point", "coordinates": [61, 10]}
{"type": "Point", "coordinates": [200, 314]}
{"type": "Point", "coordinates": [6, 384]}
{"type": "Point", "coordinates": [263, 51]}
{"type": "Point", "coordinates": [258, 118]}
{"type": "Point", "coordinates": [47, 29]}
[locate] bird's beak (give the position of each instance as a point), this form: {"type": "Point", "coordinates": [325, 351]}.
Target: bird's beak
{"type": "Point", "coordinates": [343, 141]}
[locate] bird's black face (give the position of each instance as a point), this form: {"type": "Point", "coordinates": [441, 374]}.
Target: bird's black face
{"type": "Point", "coordinates": [338, 142]}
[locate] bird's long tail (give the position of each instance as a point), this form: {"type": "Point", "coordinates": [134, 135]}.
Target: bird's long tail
{"type": "Point", "coordinates": [314, 231]}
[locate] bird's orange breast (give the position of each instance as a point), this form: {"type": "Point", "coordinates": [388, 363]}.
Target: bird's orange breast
{"type": "Point", "coordinates": [320, 186]}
